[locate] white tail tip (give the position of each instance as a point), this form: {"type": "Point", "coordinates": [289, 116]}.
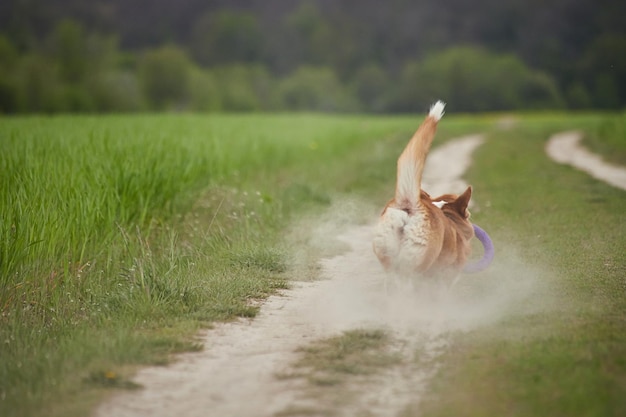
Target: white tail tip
{"type": "Point", "coordinates": [436, 110]}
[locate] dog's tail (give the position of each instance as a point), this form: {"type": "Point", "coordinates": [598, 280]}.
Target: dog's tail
{"type": "Point", "coordinates": [411, 161]}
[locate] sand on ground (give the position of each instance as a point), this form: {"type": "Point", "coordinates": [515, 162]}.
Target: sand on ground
{"type": "Point", "coordinates": [566, 148]}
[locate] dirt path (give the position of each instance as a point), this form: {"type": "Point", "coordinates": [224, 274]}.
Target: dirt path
{"type": "Point", "coordinates": [565, 148]}
{"type": "Point", "coordinates": [235, 375]}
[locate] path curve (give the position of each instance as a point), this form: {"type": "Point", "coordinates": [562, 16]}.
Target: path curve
{"type": "Point", "coordinates": [565, 148]}
{"type": "Point", "coordinates": [235, 374]}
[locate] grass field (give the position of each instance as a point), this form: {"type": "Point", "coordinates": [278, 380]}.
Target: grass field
{"type": "Point", "coordinates": [121, 236]}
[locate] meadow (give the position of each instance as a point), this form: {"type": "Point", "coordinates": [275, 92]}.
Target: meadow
{"type": "Point", "coordinates": [122, 236]}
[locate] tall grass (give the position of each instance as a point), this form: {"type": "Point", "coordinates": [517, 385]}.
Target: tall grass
{"type": "Point", "coordinates": [120, 236]}
{"type": "Point", "coordinates": [73, 186]}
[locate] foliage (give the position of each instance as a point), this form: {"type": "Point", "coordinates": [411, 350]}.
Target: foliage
{"type": "Point", "coordinates": [244, 88]}
{"type": "Point", "coordinates": [371, 87]}
{"type": "Point", "coordinates": [8, 64]}
{"type": "Point", "coordinates": [604, 66]}
{"type": "Point", "coordinates": [164, 75]}
{"type": "Point", "coordinates": [74, 71]}
{"type": "Point", "coordinates": [474, 80]}
{"type": "Point", "coordinates": [315, 88]}
{"type": "Point", "coordinates": [227, 38]}
{"type": "Point", "coordinates": [38, 86]}
{"type": "Point", "coordinates": [204, 94]}
{"type": "Point", "coordinates": [391, 57]}
{"type": "Point", "coordinates": [609, 139]}
{"type": "Point", "coordinates": [70, 50]}
{"type": "Point", "coordinates": [576, 46]}
{"type": "Point", "coordinates": [116, 91]}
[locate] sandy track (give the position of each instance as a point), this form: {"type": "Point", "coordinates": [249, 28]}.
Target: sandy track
{"type": "Point", "coordinates": [235, 375]}
{"type": "Point", "coordinates": [565, 148]}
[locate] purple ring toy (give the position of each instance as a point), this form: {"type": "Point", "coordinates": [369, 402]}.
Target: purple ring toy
{"type": "Point", "coordinates": [484, 262]}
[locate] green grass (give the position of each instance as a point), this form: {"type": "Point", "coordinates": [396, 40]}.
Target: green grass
{"type": "Point", "coordinates": [609, 139]}
{"type": "Point", "coordinates": [330, 362]}
{"type": "Point", "coordinates": [337, 367]}
{"type": "Point", "coordinates": [121, 236]}
{"type": "Point", "coordinates": [567, 359]}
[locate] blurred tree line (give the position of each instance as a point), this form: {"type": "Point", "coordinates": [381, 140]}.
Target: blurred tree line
{"type": "Point", "coordinates": [322, 55]}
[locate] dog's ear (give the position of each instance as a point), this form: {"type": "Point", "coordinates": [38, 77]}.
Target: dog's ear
{"type": "Point", "coordinates": [462, 201]}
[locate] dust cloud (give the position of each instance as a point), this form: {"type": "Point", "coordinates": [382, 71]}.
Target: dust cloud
{"type": "Point", "coordinates": [353, 292]}
{"type": "Point", "coordinates": [363, 294]}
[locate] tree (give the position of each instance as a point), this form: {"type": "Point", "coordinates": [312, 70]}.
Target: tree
{"type": "Point", "coordinates": [603, 71]}
{"type": "Point", "coordinates": [116, 90]}
{"type": "Point", "coordinates": [164, 75]}
{"type": "Point", "coordinates": [39, 88]}
{"type": "Point", "coordinates": [244, 88]}
{"type": "Point", "coordinates": [311, 34]}
{"type": "Point", "coordinates": [227, 37]}
{"type": "Point", "coordinates": [8, 64]}
{"type": "Point", "coordinates": [325, 39]}
{"type": "Point", "coordinates": [472, 79]}
{"type": "Point", "coordinates": [204, 91]}
{"type": "Point", "coordinates": [370, 85]}
{"type": "Point", "coordinates": [70, 51]}
{"type": "Point", "coordinates": [315, 88]}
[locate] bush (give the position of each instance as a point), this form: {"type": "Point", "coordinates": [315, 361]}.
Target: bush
{"type": "Point", "coordinates": [578, 96]}
{"type": "Point", "coordinates": [116, 91]}
{"type": "Point", "coordinates": [227, 37]}
{"type": "Point", "coordinates": [8, 96]}
{"type": "Point", "coordinates": [38, 86]}
{"type": "Point", "coordinates": [317, 89]}
{"type": "Point", "coordinates": [8, 63]}
{"type": "Point", "coordinates": [204, 93]}
{"type": "Point", "coordinates": [69, 48]}
{"type": "Point", "coordinates": [370, 86]}
{"type": "Point", "coordinates": [245, 88]}
{"type": "Point", "coordinates": [474, 80]}
{"type": "Point", "coordinates": [603, 71]}
{"type": "Point", "coordinates": [541, 92]}
{"type": "Point", "coordinates": [164, 75]}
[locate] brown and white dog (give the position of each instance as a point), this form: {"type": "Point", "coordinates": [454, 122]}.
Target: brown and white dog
{"type": "Point", "coordinates": [418, 236]}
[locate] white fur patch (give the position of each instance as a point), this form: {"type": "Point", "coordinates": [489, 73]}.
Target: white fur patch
{"type": "Point", "coordinates": [402, 238]}
{"type": "Point", "coordinates": [390, 227]}
{"type": "Point", "coordinates": [439, 204]}
{"type": "Point", "coordinates": [436, 110]}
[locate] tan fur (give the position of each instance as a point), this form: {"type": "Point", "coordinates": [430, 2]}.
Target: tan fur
{"type": "Point", "coordinates": [414, 236]}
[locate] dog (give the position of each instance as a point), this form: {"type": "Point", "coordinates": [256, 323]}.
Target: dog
{"type": "Point", "coordinates": [417, 235]}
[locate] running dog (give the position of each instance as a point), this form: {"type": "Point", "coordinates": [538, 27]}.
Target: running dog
{"type": "Point", "coordinates": [418, 235]}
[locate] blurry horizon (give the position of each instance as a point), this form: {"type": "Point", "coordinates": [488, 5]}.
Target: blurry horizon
{"type": "Point", "coordinates": [311, 55]}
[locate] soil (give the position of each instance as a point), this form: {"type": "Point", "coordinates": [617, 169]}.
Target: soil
{"type": "Point", "coordinates": [566, 148]}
